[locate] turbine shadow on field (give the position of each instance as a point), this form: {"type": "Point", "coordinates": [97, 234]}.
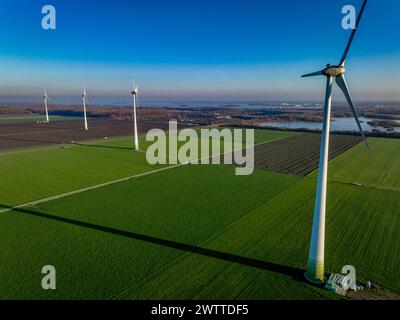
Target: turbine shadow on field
{"type": "Point", "coordinates": [295, 273]}
{"type": "Point", "coordinates": [101, 146]}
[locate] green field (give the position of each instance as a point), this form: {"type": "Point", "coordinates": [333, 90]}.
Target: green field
{"type": "Point", "coordinates": [268, 135]}
{"type": "Point", "coordinates": [378, 167]}
{"type": "Point", "coordinates": [365, 235]}
{"type": "Point", "coordinates": [185, 205]}
{"type": "Point", "coordinates": [34, 174]}
{"type": "Point", "coordinates": [38, 173]}
{"type": "Point", "coordinates": [192, 232]}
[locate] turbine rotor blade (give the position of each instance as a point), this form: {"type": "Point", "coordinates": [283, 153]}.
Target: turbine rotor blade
{"type": "Point", "coordinates": [341, 82]}
{"type": "Point", "coordinates": [353, 33]}
{"type": "Point", "coordinates": [313, 74]}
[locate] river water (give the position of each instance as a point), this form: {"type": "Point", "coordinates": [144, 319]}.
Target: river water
{"type": "Point", "coordinates": [337, 124]}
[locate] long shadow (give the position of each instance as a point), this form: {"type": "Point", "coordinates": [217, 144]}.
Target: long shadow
{"type": "Point", "coordinates": [295, 273]}
{"type": "Point", "coordinates": [101, 146]}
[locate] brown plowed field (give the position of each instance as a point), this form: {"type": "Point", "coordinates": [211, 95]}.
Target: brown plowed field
{"type": "Point", "coordinates": [26, 135]}
{"type": "Point", "coordinates": [299, 154]}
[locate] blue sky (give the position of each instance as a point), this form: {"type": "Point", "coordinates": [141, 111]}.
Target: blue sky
{"type": "Point", "coordinates": [195, 50]}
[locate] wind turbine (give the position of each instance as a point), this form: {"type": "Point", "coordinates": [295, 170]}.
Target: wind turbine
{"type": "Point", "coordinates": [85, 101]}
{"type": "Point", "coordinates": [46, 98]}
{"type": "Point", "coordinates": [315, 267]}
{"type": "Point", "coordinates": [134, 98]}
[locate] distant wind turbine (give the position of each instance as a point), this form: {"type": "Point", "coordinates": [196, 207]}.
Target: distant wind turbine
{"type": "Point", "coordinates": [46, 98]}
{"type": "Point", "coordinates": [85, 101]}
{"type": "Point", "coordinates": [134, 98]}
{"type": "Point", "coordinates": [315, 267]}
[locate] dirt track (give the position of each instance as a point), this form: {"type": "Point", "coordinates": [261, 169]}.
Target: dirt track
{"type": "Point", "coordinates": [26, 135]}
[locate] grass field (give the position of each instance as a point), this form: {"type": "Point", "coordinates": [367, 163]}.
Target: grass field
{"type": "Point", "coordinates": [360, 232]}
{"type": "Point", "coordinates": [185, 205]}
{"type": "Point", "coordinates": [194, 231]}
{"type": "Point", "coordinates": [268, 135]}
{"type": "Point", "coordinates": [38, 173]}
{"type": "Point", "coordinates": [379, 167]}
{"type": "Point", "coordinates": [34, 174]}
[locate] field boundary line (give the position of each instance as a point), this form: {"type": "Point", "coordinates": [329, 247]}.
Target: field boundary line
{"type": "Point", "coordinates": [101, 185]}
{"type": "Point", "coordinates": [124, 179]}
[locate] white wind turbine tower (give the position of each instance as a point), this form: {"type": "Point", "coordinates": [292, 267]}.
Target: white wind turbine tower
{"type": "Point", "coordinates": [46, 98]}
{"type": "Point", "coordinates": [315, 267]}
{"type": "Point", "coordinates": [134, 98]}
{"type": "Point", "coordinates": [85, 101]}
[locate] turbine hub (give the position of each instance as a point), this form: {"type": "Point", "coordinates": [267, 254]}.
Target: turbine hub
{"type": "Point", "coordinates": [334, 71]}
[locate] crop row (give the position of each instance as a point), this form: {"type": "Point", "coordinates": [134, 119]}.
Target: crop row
{"type": "Point", "coordinates": [299, 154]}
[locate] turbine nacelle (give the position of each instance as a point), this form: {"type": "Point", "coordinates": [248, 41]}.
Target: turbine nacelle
{"type": "Point", "coordinates": [84, 92]}
{"type": "Point", "coordinates": [329, 71]}
{"type": "Point", "coordinates": [135, 89]}
{"type": "Point", "coordinates": [334, 71]}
